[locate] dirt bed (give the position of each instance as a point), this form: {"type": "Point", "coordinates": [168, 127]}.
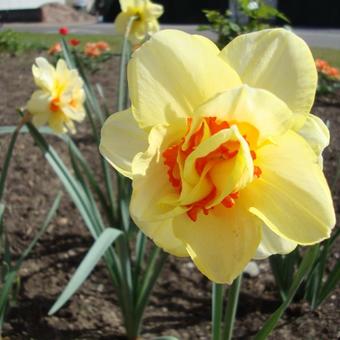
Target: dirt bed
{"type": "Point", "coordinates": [180, 305]}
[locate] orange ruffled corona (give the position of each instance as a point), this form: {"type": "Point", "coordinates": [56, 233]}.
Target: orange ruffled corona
{"type": "Point", "coordinates": [175, 155]}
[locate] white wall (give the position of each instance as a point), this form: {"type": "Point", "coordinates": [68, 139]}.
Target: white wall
{"type": "Point", "coordinates": [25, 4]}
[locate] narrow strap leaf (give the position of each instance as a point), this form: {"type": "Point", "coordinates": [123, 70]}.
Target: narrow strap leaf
{"type": "Point", "coordinates": [91, 259]}
{"type": "Point", "coordinates": [8, 157]}
{"type": "Point", "coordinates": [5, 130]}
{"type": "Point", "coordinates": [48, 219]}
{"type": "Point", "coordinates": [12, 274]}
{"type": "Point", "coordinates": [302, 272]}
{"type": "Point", "coordinates": [330, 284]}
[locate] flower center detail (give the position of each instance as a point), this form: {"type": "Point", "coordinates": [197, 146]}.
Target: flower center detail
{"type": "Point", "coordinates": [176, 155]}
{"type": "Point", "coordinates": [54, 105]}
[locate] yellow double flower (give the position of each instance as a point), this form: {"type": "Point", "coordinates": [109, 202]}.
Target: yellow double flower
{"type": "Point", "coordinates": [59, 100]}
{"type": "Point", "coordinates": [223, 153]}
{"type": "Point", "coordinates": [146, 15]}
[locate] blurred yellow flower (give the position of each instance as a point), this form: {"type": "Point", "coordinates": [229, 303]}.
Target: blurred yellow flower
{"type": "Point", "coordinates": [60, 98]}
{"type": "Point", "coordinates": [146, 22]}
{"type": "Point", "coordinates": [223, 153]}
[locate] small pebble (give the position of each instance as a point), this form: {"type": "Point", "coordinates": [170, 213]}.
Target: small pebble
{"type": "Point", "coordinates": [252, 269]}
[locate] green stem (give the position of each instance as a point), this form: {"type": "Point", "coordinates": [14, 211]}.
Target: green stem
{"type": "Point", "coordinates": [217, 308]}
{"type": "Point", "coordinates": [151, 274]}
{"type": "Point", "coordinates": [122, 71]}
{"type": "Point", "coordinates": [229, 318]}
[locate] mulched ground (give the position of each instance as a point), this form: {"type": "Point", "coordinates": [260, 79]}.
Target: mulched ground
{"type": "Point", "coordinates": [180, 305]}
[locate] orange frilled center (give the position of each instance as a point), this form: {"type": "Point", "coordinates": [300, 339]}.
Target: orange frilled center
{"type": "Point", "coordinates": [225, 151]}
{"type": "Point", "coordinates": [55, 104]}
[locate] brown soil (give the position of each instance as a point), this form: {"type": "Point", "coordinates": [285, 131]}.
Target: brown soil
{"type": "Point", "coordinates": [180, 305]}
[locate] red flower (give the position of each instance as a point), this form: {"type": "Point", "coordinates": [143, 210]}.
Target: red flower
{"type": "Point", "coordinates": [74, 42]}
{"type": "Point", "coordinates": [63, 30]}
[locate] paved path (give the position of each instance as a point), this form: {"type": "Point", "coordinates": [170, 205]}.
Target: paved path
{"type": "Point", "coordinates": [326, 38]}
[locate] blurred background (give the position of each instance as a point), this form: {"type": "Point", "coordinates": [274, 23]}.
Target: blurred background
{"type": "Point", "coordinates": [303, 13]}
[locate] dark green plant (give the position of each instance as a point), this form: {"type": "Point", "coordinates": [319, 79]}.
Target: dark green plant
{"type": "Point", "coordinates": [250, 16]}
{"type": "Point", "coordinates": [9, 267]}
{"type": "Point", "coordinates": [10, 43]}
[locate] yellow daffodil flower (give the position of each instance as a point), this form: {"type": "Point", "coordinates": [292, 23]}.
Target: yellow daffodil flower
{"type": "Point", "coordinates": [60, 98]}
{"type": "Point", "coordinates": [223, 153]}
{"type": "Point", "coordinates": [146, 22]}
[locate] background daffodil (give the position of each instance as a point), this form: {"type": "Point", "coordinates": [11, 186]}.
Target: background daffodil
{"type": "Point", "coordinates": [223, 153]}
{"type": "Point", "coordinates": [146, 22]}
{"type": "Point", "coordinates": [60, 98]}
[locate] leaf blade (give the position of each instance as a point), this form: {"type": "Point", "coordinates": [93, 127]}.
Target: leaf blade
{"type": "Point", "coordinates": [91, 259]}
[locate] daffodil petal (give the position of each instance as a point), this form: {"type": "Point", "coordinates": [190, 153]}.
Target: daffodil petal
{"type": "Point", "coordinates": [316, 133]}
{"type": "Point", "coordinates": [222, 242]}
{"type": "Point", "coordinates": [161, 232]}
{"type": "Point", "coordinates": [121, 140]}
{"type": "Point", "coordinates": [291, 196]}
{"type": "Point", "coordinates": [77, 114]}
{"type": "Point", "coordinates": [257, 107]}
{"type": "Point", "coordinates": [172, 74]}
{"type": "Point", "coordinates": [56, 122]}
{"type": "Point", "coordinates": [43, 74]}
{"type": "Point", "coordinates": [279, 61]}
{"type": "Point", "coordinates": [124, 4]}
{"type": "Point", "coordinates": [38, 105]}
{"type": "Point", "coordinates": [272, 243]}
{"type": "Point", "coordinates": [151, 186]}
{"type": "Point", "coordinates": [154, 10]}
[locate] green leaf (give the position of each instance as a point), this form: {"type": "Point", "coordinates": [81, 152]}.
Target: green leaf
{"type": "Point", "coordinates": [166, 337]}
{"type": "Point", "coordinates": [154, 267]}
{"type": "Point", "coordinates": [12, 274]}
{"type": "Point", "coordinates": [67, 54]}
{"type": "Point", "coordinates": [41, 231]}
{"type": "Point", "coordinates": [8, 157]}
{"type": "Point", "coordinates": [5, 130]}
{"type": "Point", "coordinates": [303, 270]}
{"type": "Point", "coordinates": [77, 156]}
{"type": "Point", "coordinates": [95, 115]}
{"type": "Point", "coordinates": [140, 252]}
{"type": "Point", "coordinates": [231, 309]}
{"type": "Point", "coordinates": [330, 284]}
{"type": "Point", "coordinates": [91, 259]}
{"type": "Point", "coordinates": [71, 185]}
{"type": "Point", "coordinates": [2, 209]}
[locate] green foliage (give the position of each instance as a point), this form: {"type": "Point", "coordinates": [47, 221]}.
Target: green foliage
{"type": "Point", "coordinates": [10, 43]}
{"type": "Point", "coordinates": [319, 284]}
{"type": "Point", "coordinates": [300, 275]}
{"type": "Point", "coordinates": [327, 84]}
{"type": "Point", "coordinates": [133, 271]}
{"type": "Point", "coordinates": [251, 16]}
{"type": "Point", "coordinates": [9, 280]}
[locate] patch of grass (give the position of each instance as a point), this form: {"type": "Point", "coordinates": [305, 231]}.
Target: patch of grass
{"type": "Point", "coordinates": [32, 41]}
{"type": "Point", "coordinates": [328, 54]}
